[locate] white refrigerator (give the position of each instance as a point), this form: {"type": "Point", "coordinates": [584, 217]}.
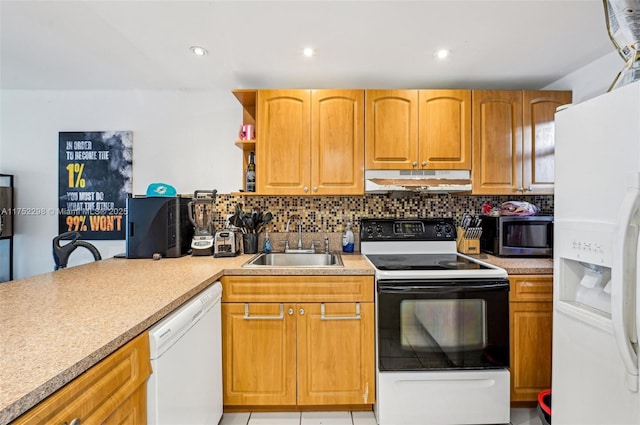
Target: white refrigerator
{"type": "Point", "coordinates": [596, 273]}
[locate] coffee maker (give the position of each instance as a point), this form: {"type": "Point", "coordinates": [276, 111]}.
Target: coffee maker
{"type": "Point", "coordinates": [201, 215]}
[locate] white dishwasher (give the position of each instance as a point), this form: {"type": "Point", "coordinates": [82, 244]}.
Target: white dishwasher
{"type": "Point", "coordinates": [186, 357]}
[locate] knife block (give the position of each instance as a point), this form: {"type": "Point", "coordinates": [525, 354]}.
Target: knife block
{"type": "Point", "coordinates": [467, 246]}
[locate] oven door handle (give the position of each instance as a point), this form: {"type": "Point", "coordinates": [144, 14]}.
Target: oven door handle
{"type": "Point", "coordinates": [430, 289]}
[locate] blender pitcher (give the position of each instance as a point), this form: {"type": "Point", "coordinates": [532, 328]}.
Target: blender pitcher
{"type": "Point", "coordinates": [201, 215]}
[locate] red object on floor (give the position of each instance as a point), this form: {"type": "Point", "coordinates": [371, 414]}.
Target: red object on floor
{"type": "Point", "coordinates": [544, 407]}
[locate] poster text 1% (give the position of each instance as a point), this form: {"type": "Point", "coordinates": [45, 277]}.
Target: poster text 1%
{"type": "Point", "coordinates": [75, 175]}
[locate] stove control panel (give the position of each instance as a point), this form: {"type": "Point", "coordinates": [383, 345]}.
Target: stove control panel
{"type": "Point", "coordinates": [420, 229]}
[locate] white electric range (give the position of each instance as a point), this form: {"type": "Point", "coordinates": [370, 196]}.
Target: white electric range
{"type": "Point", "coordinates": [442, 326]}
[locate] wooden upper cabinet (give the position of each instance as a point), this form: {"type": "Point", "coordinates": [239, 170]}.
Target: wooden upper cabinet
{"type": "Point", "coordinates": [418, 129]}
{"type": "Point", "coordinates": [310, 142]}
{"type": "Point", "coordinates": [283, 141]}
{"type": "Point", "coordinates": [337, 142]}
{"type": "Point", "coordinates": [445, 129]}
{"type": "Point", "coordinates": [497, 142]}
{"type": "Point", "coordinates": [391, 132]}
{"type": "Point", "coordinates": [513, 141]}
{"type": "Point", "coordinates": [538, 139]}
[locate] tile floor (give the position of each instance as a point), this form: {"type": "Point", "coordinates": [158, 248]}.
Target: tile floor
{"type": "Point", "coordinates": [518, 417]}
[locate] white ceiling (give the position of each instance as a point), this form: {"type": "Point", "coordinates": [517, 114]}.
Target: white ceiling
{"type": "Point", "coordinates": [50, 44]}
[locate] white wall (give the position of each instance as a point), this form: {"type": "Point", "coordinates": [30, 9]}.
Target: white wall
{"type": "Point", "coordinates": [591, 80]}
{"type": "Point", "coordinates": [183, 138]}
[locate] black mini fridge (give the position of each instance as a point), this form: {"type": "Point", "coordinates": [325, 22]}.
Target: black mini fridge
{"type": "Point", "coordinates": [158, 225]}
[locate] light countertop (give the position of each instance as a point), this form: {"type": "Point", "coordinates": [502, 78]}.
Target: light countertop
{"type": "Point", "coordinates": [55, 326]}
{"type": "Point", "coordinates": [514, 265]}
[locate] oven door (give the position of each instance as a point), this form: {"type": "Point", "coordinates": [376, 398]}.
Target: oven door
{"type": "Point", "coordinates": [442, 324]}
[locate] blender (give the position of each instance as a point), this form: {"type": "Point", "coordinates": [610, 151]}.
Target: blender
{"type": "Point", "coordinates": [201, 212]}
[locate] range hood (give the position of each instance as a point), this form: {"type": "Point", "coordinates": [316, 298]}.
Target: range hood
{"type": "Point", "coordinates": [430, 181]}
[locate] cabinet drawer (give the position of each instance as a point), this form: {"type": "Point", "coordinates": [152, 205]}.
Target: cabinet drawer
{"type": "Point", "coordinates": [531, 288]}
{"type": "Point", "coordinates": [341, 288]}
{"type": "Point", "coordinates": [99, 392]}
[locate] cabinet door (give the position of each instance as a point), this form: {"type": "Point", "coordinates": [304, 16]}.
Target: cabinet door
{"type": "Point", "coordinates": [531, 325]}
{"type": "Point", "coordinates": [538, 139]}
{"type": "Point", "coordinates": [336, 354]}
{"type": "Point", "coordinates": [112, 391]}
{"type": "Point", "coordinates": [497, 142]}
{"type": "Point", "coordinates": [283, 142]}
{"type": "Point", "coordinates": [391, 129]}
{"type": "Point", "coordinates": [445, 129]}
{"type": "Point", "coordinates": [132, 411]}
{"type": "Point", "coordinates": [337, 142]}
{"type": "Point", "coordinates": [259, 354]}
{"type": "Point", "coordinates": [531, 316]}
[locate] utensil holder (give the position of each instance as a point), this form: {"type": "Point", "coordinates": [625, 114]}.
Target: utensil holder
{"type": "Point", "coordinates": [250, 243]}
{"type": "Point", "coordinates": [467, 246]}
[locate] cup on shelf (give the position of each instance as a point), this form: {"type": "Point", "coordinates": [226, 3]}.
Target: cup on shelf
{"type": "Point", "coordinates": [247, 132]}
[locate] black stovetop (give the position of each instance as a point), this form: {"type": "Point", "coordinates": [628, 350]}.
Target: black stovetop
{"type": "Point", "coordinates": [423, 262]}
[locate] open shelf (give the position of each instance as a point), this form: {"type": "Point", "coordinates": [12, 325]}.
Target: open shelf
{"type": "Point", "coordinates": [6, 239]}
{"type": "Point", "coordinates": [246, 145]}
{"type": "Point", "coordinates": [247, 98]}
{"type": "Point", "coordinates": [248, 194]}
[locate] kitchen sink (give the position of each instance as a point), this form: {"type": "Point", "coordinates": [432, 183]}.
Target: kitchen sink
{"type": "Point", "coordinates": [281, 259]}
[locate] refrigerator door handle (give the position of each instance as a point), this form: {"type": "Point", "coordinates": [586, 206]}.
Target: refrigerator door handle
{"type": "Point", "coordinates": [623, 281]}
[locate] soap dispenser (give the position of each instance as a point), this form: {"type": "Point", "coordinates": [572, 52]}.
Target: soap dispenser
{"type": "Point", "coordinates": [347, 239]}
{"type": "Point", "coordinates": [267, 243]}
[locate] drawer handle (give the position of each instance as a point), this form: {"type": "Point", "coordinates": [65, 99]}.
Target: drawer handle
{"type": "Point", "coordinates": [75, 421]}
{"type": "Point", "coordinates": [249, 317]}
{"type": "Point", "coordinates": [323, 315]}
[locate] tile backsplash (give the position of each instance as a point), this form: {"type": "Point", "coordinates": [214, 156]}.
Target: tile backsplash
{"type": "Point", "coordinates": [330, 213]}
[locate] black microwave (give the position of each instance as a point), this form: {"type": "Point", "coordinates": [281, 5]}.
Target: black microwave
{"type": "Point", "coordinates": [517, 236]}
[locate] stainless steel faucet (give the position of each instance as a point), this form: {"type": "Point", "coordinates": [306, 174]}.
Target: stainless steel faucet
{"type": "Point", "coordinates": [297, 217]}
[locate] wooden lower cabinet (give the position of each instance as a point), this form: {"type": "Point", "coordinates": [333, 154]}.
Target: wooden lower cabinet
{"type": "Point", "coordinates": [258, 352]}
{"type": "Point", "coordinates": [336, 353]}
{"type": "Point", "coordinates": [114, 391]}
{"type": "Point", "coordinates": [298, 353]}
{"type": "Point", "coordinates": [531, 313]}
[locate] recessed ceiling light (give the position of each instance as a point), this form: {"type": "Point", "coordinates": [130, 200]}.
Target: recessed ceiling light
{"type": "Point", "coordinates": [308, 52]}
{"type": "Point", "coordinates": [442, 54]}
{"type": "Point", "coordinates": [198, 51]}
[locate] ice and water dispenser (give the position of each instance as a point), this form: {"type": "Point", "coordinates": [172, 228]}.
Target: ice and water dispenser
{"type": "Point", "coordinates": [586, 285]}
{"type": "Point", "coordinates": [583, 266]}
